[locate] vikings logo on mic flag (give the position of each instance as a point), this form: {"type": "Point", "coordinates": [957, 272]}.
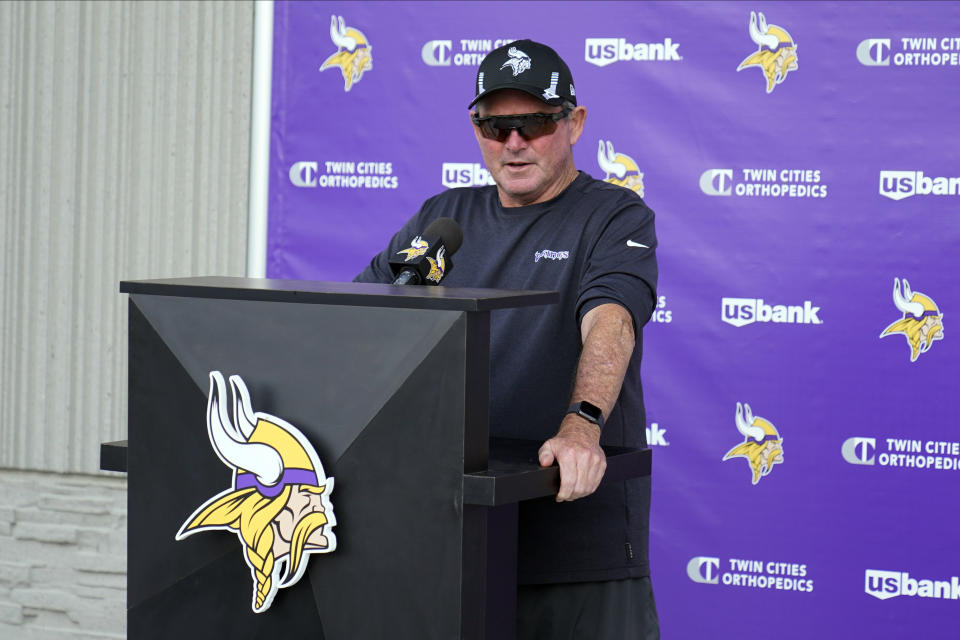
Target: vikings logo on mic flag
{"type": "Point", "coordinates": [279, 502]}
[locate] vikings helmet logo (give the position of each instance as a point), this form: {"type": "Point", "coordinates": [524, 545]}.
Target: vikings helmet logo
{"type": "Point", "coordinates": [922, 322]}
{"type": "Point", "coordinates": [354, 53]}
{"type": "Point", "coordinates": [437, 267]}
{"type": "Point", "coordinates": [279, 502]}
{"type": "Point", "coordinates": [418, 247]}
{"type": "Point", "coordinates": [518, 61]}
{"type": "Point", "coordinates": [621, 169]}
{"type": "Point", "coordinates": [776, 54]}
{"type": "Point", "coordinates": [762, 445]}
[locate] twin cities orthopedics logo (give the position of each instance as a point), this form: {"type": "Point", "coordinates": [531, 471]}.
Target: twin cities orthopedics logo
{"type": "Point", "coordinates": [898, 185]}
{"type": "Point", "coordinates": [662, 314]}
{"type": "Point", "coordinates": [343, 174]}
{"type": "Point", "coordinates": [743, 311]}
{"type": "Point", "coordinates": [768, 182]}
{"type": "Point", "coordinates": [465, 174]}
{"type": "Point", "coordinates": [279, 501]}
{"type": "Point", "coordinates": [762, 445]}
{"type": "Point", "coordinates": [776, 53]}
{"type": "Point", "coordinates": [936, 51]}
{"type": "Point", "coordinates": [904, 453]}
{"type": "Point", "coordinates": [620, 169]}
{"type": "Point", "coordinates": [604, 51]}
{"type": "Point", "coordinates": [459, 53]}
{"type": "Point", "coordinates": [884, 585]}
{"type": "Point", "coordinates": [921, 323]}
{"type": "Point", "coordinates": [750, 573]}
{"type": "Point", "coordinates": [354, 55]}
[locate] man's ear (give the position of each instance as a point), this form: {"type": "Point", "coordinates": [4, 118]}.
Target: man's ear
{"type": "Point", "coordinates": [578, 117]}
{"type": "Point", "coordinates": [476, 129]}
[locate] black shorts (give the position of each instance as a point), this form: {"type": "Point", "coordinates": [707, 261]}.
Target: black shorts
{"type": "Point", "coordinates": [613, 610]}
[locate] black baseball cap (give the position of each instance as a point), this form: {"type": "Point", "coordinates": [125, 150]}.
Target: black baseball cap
{"type": "Point", "coordinates": [527, 66]}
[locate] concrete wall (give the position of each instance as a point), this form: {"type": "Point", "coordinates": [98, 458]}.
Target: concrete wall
{"type": "Point", "coordinates": [124, 154]}
{"type": "Point", "coordinates": [63, 564]}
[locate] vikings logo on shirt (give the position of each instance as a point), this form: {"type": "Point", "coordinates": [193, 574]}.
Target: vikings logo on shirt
{"type": "Point", "coordinates": [922, 322]}
{"type": "Point", "coordinates": [418, 247]}
{"type": "Point", "coordinates": [762, 445]}
{"type": "Point", "coordinates": [437, 267]}
{"type": "Point", "coordinates": [518, 61]}
{"type": "Point", "coordinates": [621, 169]}
{"type": "Point", "coordinates": [353, 55]}
{"type": "Point", "coordinates": [776, 54]}
{"type": "Point", "coordinates": [279, 501]}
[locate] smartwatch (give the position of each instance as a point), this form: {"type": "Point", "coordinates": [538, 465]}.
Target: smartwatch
{"type": "Point", "coordinates": [588, 411]}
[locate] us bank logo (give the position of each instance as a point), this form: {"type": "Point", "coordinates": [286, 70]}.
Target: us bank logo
{"type": "Point", "coordinates": [898, 185]}
{"type": "Point", "coordinates": [354, 55]}
{"type": "Point", "coordinates": [937, 51]}
{"type": "Point", "coordinates": [465, 174]}
{"type": "Point", "coordinates": [466, 52]}
{"type": "Point", "coordinates": [620, 169]}
{"type": "Point", "coordinates": [764, 182]}
{"type": "Point", "coordinates": [776, 53]}
{"type": "Point", "coordinates": [740, 312]}
{"type": "Point", "coordinates": [604, 51]}
{"type": "Point", "coordinates": [884, 585]}
{"type": "Point", "coordinates": [750, 573]}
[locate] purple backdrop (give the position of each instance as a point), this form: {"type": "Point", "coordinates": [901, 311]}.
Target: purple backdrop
{"type": "Point", "coordinates": [785, 218]}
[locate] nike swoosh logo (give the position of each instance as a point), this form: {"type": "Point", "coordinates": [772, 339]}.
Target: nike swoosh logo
{"type": "Point", "coordinates": [631, 243]}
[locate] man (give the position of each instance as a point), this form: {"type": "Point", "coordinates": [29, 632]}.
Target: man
{"type": "Point", "coordinates": [583, 564]}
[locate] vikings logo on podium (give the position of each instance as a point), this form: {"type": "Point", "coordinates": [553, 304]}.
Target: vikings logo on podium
{"type": "Point", "coordinates": [279, 502]}
{"type": "Point", "coordinates": [762, 445]}
{"type": "Point", "coordinates": [621, 169]}
{"type": "Point", "coordinates": [776, 54]}
{"type": "Point", "coordinates": [922, 322]}
{"type": "Point", "coordinates": [354, 54]}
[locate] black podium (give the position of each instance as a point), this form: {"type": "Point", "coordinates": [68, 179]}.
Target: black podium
{"type": "Point", "coordinates": [391, 387]}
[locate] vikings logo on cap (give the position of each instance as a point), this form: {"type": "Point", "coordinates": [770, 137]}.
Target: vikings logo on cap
{"type": "Point", "coordinates": [354, 53]}
{"type": "Point", "coordinates": [762, 445]}
{"type": "Point", "coordinates": [518, 61]}
{"type": "Point", "coordinates": [776, 54]}
{"type": "Point", "coordinates": [621, 169]}
{"type": "Point", "coordinates": [418, 247]}
{"type": "Point", "coordinates": [437, 267]}
{"type": "Point", "coordinates": [922, 322]}
{"type": "Point", "coordinates": [279, 502]}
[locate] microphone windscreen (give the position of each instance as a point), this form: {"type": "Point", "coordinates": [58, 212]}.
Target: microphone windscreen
{"type": "Point", "coordinates": [449, 231]}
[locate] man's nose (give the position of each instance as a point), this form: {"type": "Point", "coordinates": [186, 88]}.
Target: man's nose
{"type": "Point", "coordinates": [515, 141]}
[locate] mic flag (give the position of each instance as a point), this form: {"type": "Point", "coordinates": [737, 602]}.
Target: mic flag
{"type": "Point", "coordinates": [427, 259]}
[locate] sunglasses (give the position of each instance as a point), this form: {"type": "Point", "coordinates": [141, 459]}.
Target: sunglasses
{"type": "Point", "coordinates": [528, 125]}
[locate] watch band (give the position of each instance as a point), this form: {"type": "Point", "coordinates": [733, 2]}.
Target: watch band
{"type": "Point", "coordinates": [588, 411]}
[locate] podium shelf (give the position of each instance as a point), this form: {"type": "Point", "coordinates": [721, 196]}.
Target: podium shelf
{"type": "Point", "coordinates": [514, 472]}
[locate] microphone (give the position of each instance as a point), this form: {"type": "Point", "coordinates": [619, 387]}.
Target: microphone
{"type": "Point", "coordinates": [427, 259]}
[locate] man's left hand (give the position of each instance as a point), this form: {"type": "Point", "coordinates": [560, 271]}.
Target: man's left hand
{"type": "Point", "coordinates": [576, 449]}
